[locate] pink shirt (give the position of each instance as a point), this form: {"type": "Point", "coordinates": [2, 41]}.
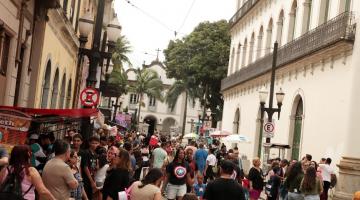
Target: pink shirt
{"type": "Point", "coordinates": [25, 185]}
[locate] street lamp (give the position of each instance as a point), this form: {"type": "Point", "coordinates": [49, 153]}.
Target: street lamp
{"type": "Point", "coordinates": [203, 117]}
{"type": "Point", "coordinates": [95, 55]}
{"type": "Point", "coordinates": [270, 110]}
{"type": "Point", "coordinates": [117, 105]}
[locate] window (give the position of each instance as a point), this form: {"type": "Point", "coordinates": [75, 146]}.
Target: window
{"type": "Point", "coordinates": [4, 52]}
{"type": "Point", "coordinates": [134, 99]}
{"type": "Point", "coordinates": [152, 101]}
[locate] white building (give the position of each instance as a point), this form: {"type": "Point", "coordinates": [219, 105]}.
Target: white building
{"type": "Point", "coordinates": [157, 115]}
{"type": "Point", "coordinates": [317, 61]}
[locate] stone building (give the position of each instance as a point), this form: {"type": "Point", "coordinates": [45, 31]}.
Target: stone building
{"type": "Point", "coordinates": [317, 69]}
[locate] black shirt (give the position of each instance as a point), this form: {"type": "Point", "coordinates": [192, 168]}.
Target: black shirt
{"type": "Point", "coordinates": [89, 160]}
{"type": "Point", "coordinates": [116, 181]}
{"type": "Point", "coordinates": [178, 172]}
{"type": "Point", "coordinates": [255, 176]}
{"type": "Point", "coordinates": [224, 189]}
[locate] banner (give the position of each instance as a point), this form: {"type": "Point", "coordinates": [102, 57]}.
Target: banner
{"type": "Point", "coordinates": [123, 120]}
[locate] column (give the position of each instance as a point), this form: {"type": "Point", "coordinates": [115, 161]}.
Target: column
{"type": "Point", "coordinates": [349, 166]}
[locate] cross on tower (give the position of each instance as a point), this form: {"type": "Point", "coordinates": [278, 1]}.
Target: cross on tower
{"type": "Point", "coordinates": [157, 53]}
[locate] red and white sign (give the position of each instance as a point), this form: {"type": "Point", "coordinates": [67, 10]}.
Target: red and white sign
{"type": "Point", "coordinates": [89, 97]}
{"type": "Point", "coordinates": [269, 128]}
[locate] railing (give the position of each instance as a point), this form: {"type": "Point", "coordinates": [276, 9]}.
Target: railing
{"type": "Point", "coordinates": [242, 11]}
{"type": "Point", "coordinates": [334, 30]}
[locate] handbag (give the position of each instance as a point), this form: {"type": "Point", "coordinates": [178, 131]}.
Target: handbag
{"type": "Point", "coordinates": [125, 195]}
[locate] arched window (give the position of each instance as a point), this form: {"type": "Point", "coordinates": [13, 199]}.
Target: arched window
{"type": "Point", "coordinates": [46, 86]}
{"type": "Point", "coordinates": [306, 16]}
{"type": "Point", "coordinates": [268, 37]}
{"type": "Point", "coordinates": [62, 92]}
{"type": "Point", "coordinates": [55, 90]}
{"type": "Point", "coordinates": [243, 59]}
{"type": "Point", "coordinates": [324, 11]}
{"type": "Point", "coordinates": [259, 43]}
{"type": "Point", "coordinates": [68, 95]}
{"type": "Point", "coordinates": [297, 127]}
{"type": "Point", "coordinates": [279, 30]}
{"type": "Point", "coordinates": [238, 54]}
{"type": "Point", "coordinates": [236, 123]}
{"type": "Point", "coordinates": [292, 21]}
{"type": "Point", "coordinates": [251, 49]}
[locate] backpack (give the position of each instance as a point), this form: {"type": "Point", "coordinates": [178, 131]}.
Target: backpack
{"type": "Point", "coordinates": [11, 187]}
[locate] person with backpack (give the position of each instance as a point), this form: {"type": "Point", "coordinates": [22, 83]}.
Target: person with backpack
{"type": "Point", "coordinates": [19, 180]}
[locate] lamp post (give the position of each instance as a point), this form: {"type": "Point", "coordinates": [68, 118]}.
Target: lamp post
{"type": "Point", "coordinates": [203, 117]}
{"type": "Point", "coordinates": [117, 105]}
{"type": "Point", "coordinates": [94, 54]}
{"type": "Point", "coordinates": [270, 110]}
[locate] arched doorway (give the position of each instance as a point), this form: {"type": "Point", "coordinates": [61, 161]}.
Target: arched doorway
{"type": "Point", "coordinates": [236, 122]}
{"type": "Point", "coordinates": [46, 86]}
{"type": "Point", "coordinates": [151, 121]}
{"type": "Point", "coordinates": [55, 90]}
{"type": "Point", "coordinates": [167, 124]}
{"type": "Point", "coordinates": [298, 111]}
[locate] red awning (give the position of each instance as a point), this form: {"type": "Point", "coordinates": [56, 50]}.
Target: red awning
{"type": "Point", "coordinates": [71, 113]}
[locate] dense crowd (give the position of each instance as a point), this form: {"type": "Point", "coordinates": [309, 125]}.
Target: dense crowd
{"type": "Point", "coordinates": [140, 167]}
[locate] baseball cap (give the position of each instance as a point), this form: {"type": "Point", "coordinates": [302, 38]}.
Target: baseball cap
{"type": "Point", "coordinates": [34, 137]}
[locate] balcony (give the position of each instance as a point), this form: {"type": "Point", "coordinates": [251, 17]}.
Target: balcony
{"type": "Point", "coordinates": [340, 28]}
{"type": "Point", "coordinates": [242, 11]}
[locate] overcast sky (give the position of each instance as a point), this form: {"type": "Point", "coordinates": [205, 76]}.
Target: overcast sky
{"type": "Point", "coordinates": [150, 24]}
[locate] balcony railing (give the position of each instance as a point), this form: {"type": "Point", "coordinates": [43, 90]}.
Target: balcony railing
{"type": "Point", "coordinates": [242, 11]}
{"type": "Point", "coordinates": [335, 30]}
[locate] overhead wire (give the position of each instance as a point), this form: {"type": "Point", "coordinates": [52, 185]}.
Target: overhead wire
{"type": "Point", "coordinates": [186, 16]}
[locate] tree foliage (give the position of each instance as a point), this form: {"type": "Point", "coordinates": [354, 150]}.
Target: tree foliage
{"type": "Point", "coordinates": [203, 56]}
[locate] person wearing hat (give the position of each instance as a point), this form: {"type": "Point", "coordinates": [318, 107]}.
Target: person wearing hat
{"type": "Point", "coordinates": [225, 187]}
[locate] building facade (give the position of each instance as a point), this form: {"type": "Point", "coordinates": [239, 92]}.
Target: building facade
{"type": "Point", "coordinates": [157, 115]}
{"type": "Point", "coordinates": [316, 63]}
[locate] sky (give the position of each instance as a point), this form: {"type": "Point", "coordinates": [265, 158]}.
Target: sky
{"type": "Point", "coordinates": [150, 24]}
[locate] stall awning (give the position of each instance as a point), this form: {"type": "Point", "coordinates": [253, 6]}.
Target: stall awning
{"type": "Point", "coordinates": [71, 113]}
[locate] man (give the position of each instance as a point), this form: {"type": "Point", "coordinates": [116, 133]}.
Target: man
{"type": "Point", "coordinates": [38, 156]}
{"type": "Point", "coordinates": [128, 147]}
{"type": "Point", "coordinates": [57, 175]}
{"type": "Point", "coordinates": [224, 188]}
{"type": "Point", "coordinates": [326, 171]}
{"type": "Point", "coordinates": [284, 164]}
{"type": "Point", "coordinates": [200, 158]}
{"type": "Point", "coordinates": [111, 155]}
{"type": "Point", "coordinates": [89, 166]}
{"type": "Point", "coordinates": [77, 141]}
{"type": "Point", "coordinates": [158, 156]}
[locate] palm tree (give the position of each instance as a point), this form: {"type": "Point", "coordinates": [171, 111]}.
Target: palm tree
{"type": "Point", "coordinates": [121, 49]}
{"type": "Point", "coordinates": [177, 89]}
{"type": "Point", "coordinates": [147, 82]}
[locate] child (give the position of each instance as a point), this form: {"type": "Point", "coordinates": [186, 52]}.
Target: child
{"type": "Point", "coordinates": [199, 188]}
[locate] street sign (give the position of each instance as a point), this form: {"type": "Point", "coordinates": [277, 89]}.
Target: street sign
{"type": "Point", "coordinates": [89, 97]}
{"type": "Point", "coordinates": [269, 128]}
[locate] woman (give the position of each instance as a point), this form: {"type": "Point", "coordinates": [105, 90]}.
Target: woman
{"type": "Point", "coordinates": [210, 166]}
{"type": "Point", "coordinates": [318, 170]}
{"type": "Point", "coordinates": [311, 186]}
{"type": "Point", "coordinates": [79, 192]}
{"type": "Point", "coordinates": [256, 179]}
{"type": "Point", "coordinates": [149, 187]}
{"type": "Point", "coordinates": [118, 178]}
{"type": "Point", "coordinates": [178, 174]}
{"type": "Point", "coordinates": [293, 181]}
{"type": "Point", "coordinates": [19, 164]}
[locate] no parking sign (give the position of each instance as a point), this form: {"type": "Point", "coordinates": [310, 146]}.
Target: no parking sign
{"type": "Point", "coordinates": [89, 97]}
{"type": "Point", "coordinates": [269, 128]}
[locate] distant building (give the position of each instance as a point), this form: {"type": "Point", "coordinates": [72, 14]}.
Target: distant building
{"type": "Point", "coordinates": [157, 115]}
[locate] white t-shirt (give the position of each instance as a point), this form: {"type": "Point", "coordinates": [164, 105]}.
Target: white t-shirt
{"type": "Point", "coordinates": [211, 159]}
{"type": "Point", "coordinates": [326, 171]}
{"type": "Point", "coordinates": [101, 174]}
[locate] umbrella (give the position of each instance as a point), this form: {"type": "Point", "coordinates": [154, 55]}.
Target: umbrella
{"type": "Point", "coordinates": [190, 136]}
{"type": "Point", "coordinates": [219, 133]}
{"type": "Point", "coordinates": [235, 138]}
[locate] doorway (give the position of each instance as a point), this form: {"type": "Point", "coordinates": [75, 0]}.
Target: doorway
{"type": "Point", "coordinates": [296, 141]}
{"type": "Point", "coordinates": [151, 121]}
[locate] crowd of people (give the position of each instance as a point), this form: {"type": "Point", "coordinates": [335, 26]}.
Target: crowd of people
{"type": "Point", "coordinates": [141, 167]}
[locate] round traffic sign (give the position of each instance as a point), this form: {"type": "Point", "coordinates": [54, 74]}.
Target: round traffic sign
{"type": "Point", "coordinates": [269, 127]}
{"type": "Point", "coordinates": [89, 97]}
